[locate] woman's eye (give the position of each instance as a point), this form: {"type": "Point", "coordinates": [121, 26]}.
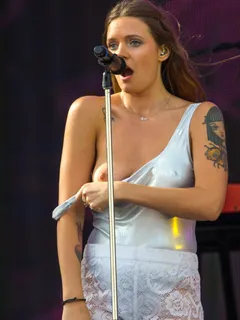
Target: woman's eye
{"type": "Point", "coordinates": [215, 127]}
{"type": "Point", "coordinates": [135, 43]}
{"type": "Point", "coordinates": [112, 46]}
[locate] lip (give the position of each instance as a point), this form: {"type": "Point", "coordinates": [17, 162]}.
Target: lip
{"type": "Point", "coordinates": [126, 78]}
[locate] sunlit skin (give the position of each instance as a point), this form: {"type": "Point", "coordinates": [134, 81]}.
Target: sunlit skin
{"type": "Point", "coordinates": [136, 142]}
{"type": "Point", "coordinates": [144, 93]}
{"type": "Point", "coordinates": [131, 39]}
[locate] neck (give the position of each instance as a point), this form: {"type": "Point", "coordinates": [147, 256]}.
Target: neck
{"type": "Point", "coordinates": [147, 102]}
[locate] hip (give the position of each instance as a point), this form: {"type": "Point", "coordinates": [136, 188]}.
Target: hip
{"type": "Point", "coordinates": [151, 283]}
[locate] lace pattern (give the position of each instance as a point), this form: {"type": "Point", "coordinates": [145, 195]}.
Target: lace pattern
{"type": "Point", "coordinates": [147, 290]}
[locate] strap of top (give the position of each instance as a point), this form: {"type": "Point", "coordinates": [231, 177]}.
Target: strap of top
{"type": "Point", "coordinates": [187, 116]}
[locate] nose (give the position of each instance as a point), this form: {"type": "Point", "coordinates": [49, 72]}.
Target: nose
{"type": "Point", "coordinates": [122, 51]}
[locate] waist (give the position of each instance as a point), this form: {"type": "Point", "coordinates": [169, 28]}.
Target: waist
{"type": "Point", "coordinates": [142, 254]}
{"type": "Point", "coordinates": [148, 229]}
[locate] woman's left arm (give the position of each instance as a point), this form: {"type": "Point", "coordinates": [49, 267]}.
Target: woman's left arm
{"type": "Point", "coordinates": [205, 200]}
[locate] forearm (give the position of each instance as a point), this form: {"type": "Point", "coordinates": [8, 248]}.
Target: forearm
{"type": "Point", "coordinates": [188, 203]}
{"type": "Point", "coordinates": [69, 240]}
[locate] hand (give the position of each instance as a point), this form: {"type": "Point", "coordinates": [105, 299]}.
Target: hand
{"type": "Point", "coordinates": [76, 311]}
{"type": "Point", "coordinates": [94, 195]}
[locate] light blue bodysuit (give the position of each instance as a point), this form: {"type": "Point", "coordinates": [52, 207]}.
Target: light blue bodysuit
{"type": "Point", "coordinates": [141, 226]}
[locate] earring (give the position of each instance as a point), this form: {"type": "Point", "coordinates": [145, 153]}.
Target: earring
{"type": "Point", "coordinates": [164, 52]}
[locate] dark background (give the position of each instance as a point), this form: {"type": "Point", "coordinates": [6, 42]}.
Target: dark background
{"type": "Point", "coordinates": [46, 62]}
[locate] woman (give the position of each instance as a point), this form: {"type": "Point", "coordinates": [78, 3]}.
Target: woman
{"type": "Point", "coordinates": [166, 178]}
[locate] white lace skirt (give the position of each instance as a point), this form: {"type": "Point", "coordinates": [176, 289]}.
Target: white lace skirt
{"type": "Point", "coordinates": [153, 284]}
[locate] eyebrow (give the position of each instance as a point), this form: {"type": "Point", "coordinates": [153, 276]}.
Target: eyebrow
{"type": "Point", "coordinates": [126, 37]}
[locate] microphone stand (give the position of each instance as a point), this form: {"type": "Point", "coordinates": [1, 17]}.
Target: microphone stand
{"type": "Point", "coordinates": [107, 86]}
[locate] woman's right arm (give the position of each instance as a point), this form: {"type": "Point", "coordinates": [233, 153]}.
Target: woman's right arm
{"type": "Point", "coordinates": [77, 160]}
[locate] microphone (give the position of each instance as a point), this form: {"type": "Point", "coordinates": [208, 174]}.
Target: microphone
{"type": "Point", "coordinates": [111, 61]}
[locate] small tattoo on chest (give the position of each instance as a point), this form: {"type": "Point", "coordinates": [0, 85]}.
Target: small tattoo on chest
{"type": "Point", "coordinates": [104, 114]}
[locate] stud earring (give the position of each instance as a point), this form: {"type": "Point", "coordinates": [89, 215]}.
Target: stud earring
{"type": "Point", "coordinates": [164, 51]}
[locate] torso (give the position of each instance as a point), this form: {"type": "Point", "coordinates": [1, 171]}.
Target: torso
{"type": "Point", "coordinates": [168, 166]}
{"type": "Point", "coordinates": [135, 142]}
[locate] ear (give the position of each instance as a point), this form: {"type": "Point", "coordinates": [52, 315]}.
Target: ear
{"type": "Point", "coordinates": [163, 53]}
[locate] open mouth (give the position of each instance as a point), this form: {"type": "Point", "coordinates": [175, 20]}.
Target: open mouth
{"type": "Point", "coordinates": [127, 73]}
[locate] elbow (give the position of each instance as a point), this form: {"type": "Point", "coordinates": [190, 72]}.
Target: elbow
{"type": "Point", "coordinates": [213, 216]}
{"type": "Point", "coordinates": [212, 211]}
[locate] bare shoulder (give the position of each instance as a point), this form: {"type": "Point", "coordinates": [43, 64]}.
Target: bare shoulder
{"type": "Point", "coordinates": [206, 114]}
{"type": "Point", "coordinates": [207, 109]}
{"type": "Point", "coordinates": [87, 106]}
{"type": "Point", "coordinates": [208, 118]}
{"type": "Point", "coordinates": [78, 152]}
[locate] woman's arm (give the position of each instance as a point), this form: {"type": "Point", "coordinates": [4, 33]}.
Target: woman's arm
{"type": "Point", "coordinates": [76, 165]}
{"type": "Point", "coordinates": [206, 199]}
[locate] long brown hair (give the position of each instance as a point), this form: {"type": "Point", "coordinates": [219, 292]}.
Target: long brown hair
{"type": "Point", "coordinates": [178, 74]}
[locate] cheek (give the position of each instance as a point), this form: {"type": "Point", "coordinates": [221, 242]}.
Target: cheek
{"type": "Point", "coordinates": [146, 55]}
{"type": "Point", "coordinates": [149, 69]}
{"type": "Point", "coordinates": [147, 62]}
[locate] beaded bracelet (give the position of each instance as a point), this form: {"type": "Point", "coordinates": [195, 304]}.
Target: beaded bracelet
{"type": "Point", "coordinates": [72, 300]}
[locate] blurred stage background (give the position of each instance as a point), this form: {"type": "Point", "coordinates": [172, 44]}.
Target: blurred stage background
{"type": "Point", "coordinates": [47, 62]}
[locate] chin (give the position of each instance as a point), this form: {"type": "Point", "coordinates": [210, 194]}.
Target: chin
{"type": "Point", "coordinates": [130, 89]}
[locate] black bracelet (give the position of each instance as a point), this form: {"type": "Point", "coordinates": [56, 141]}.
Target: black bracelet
{"type": "Point", "coordinates": [72, 300]}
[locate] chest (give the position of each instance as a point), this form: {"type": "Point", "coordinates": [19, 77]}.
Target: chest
{"type": "Point", "coordinates": [135, 143]}
{"type": "Point", "coordinates": [140, 142]}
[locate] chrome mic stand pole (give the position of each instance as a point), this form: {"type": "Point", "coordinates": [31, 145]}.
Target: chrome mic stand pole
{"type": "Point", "coordinates": [107, 86]}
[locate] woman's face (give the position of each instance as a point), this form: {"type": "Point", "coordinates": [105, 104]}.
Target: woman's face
{"type": "Point", "coordinates": [218, 129]}
{"type": "Point", "coordinates": [131, 39]}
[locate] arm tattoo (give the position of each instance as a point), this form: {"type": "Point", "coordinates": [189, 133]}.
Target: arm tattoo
{"type": "Point", "coordinates": [78, 247]}
{"type": "Point", "coordinates": [104, 114]}
{"type": "Point", "coordinates": [216, 148]}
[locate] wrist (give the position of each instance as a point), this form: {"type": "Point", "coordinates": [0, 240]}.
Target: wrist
{"type": "Point", "coordinates": [72, 294]}
{"type": "Point", "coordinates": [73, 303]}
{"type": "Point", "coordinates": [120, 190]}
{"type": "Point", "coordinates": [78, 305]}
{"type": "Point", "coordinates": [73, 300]}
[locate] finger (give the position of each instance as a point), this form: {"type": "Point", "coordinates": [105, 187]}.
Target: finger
{"type": "Point", "coordinates": [81, 194]}
{"type": "Point", "coordinates": [85, 203]}
{"type": "Point", "coordinates": [83, 189]}
{"type": "Point", "coordinates": [85, 200]}
{"type": "Point", "coordinates": [95, 208]}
